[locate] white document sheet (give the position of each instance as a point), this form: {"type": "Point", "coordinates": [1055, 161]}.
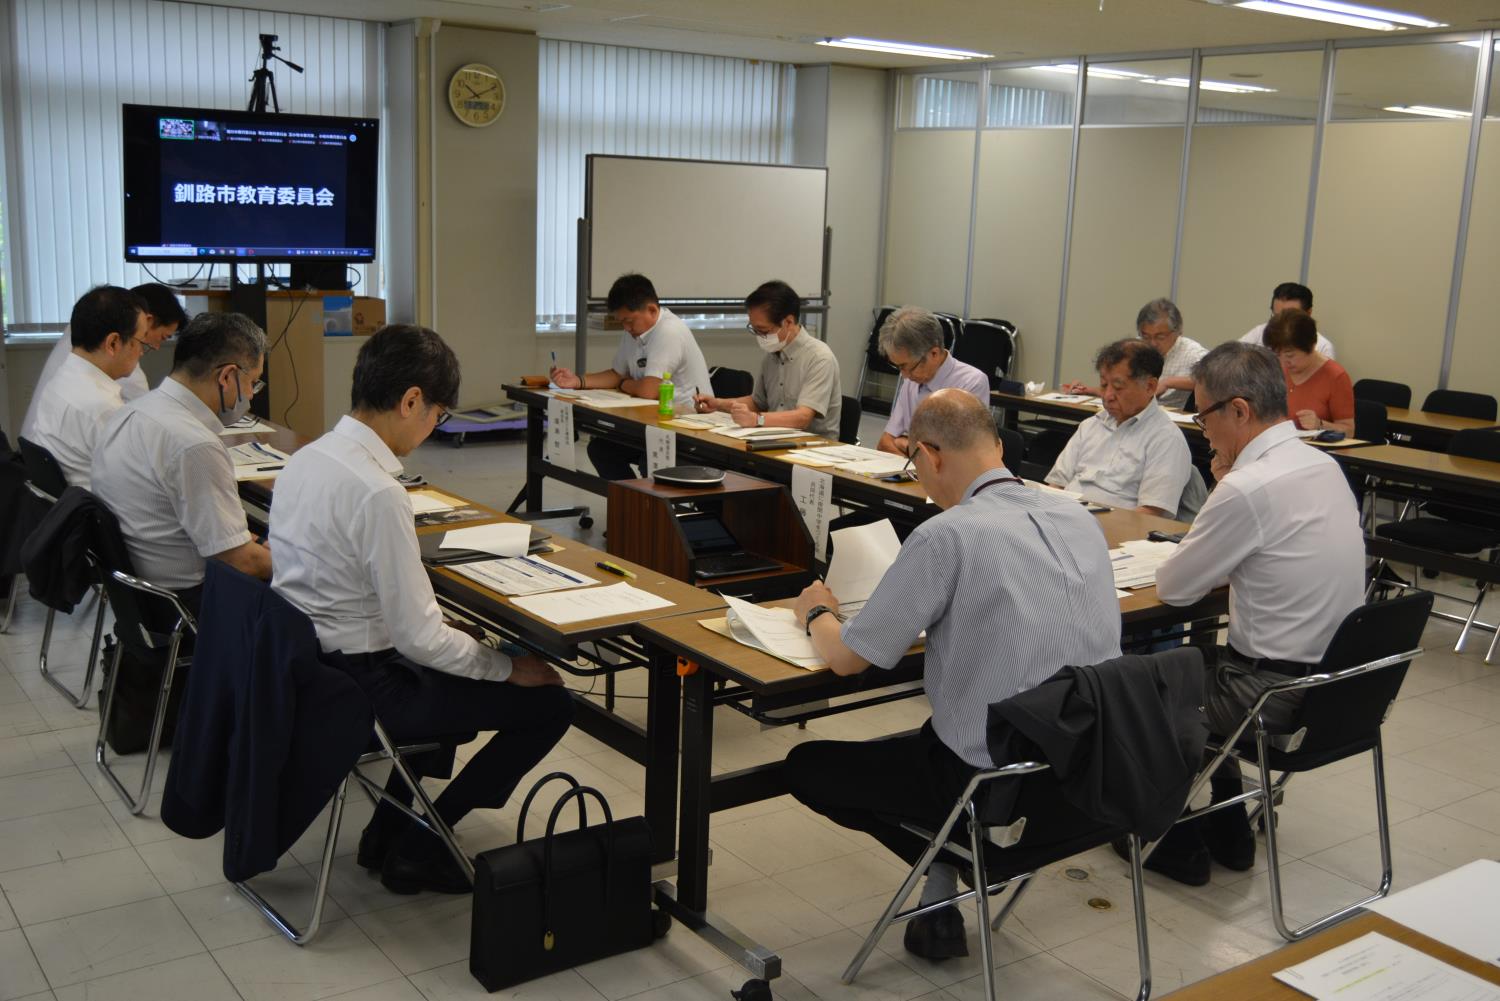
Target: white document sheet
{"type": "Point", "coordinates": [426, 503]}
{"type": "Point", "coordinates": [661, 449]}
{"type": "Point", "coordinates": [253, 453]}
{"type": "Point", "coordinates": [702, 422]}
{"type": "Point", "coordinates": [247, 425]}
{"type": "Point", "coordinates": [266, 472]}
{"type": "Point", "coordinates": [775, 631]}
{"type": "Point", "coordinates": [1067, 397]}
{"type": "Point", "coordinates": [1038, 485]}
{"type": "Point", "coordinates": [761, 434]}
{"type": "Point", "coordinates": [502, 539]}
{"type": "Point", "coordinates": [1178, 417]}
{"type": "Point", "coordinates": [604, 399]}
{"type": "Point", "coordinates": [808, 457]}
{"type": "Point", "coordinates": [559, 445]}
{"type": "Point", "coordinates": [812, 492]}
{"type": "Point", "coordinates": [522, 575]}
{"type": "Point", "coordinates": [840, 455]}
{"type": "Point", "coordinates": [1136, 561]}
{"type": "Point", "coordinates": [861, 556]}
{"type": "Point", "coordinates": [1460, 908]}
{"type": "Point", "coordinates": [1375, 968]}
{"type": "Point", "coordinates": [883, 466]}
{"type": "Point", "coordinates": [591, 603]}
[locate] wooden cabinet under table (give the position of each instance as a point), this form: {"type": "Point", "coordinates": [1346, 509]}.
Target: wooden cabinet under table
{"type": "Point", "coordinates": [643, 527]}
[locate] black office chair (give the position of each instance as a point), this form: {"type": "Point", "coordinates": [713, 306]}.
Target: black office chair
{"type": "Point", "coordinates": [875, 363]}
{"type": "Point", "coordinates": [849, 416]}
{"type": "Point", "coordinates": [1389, 394]}
{"type": "Point", "coordinates": [16, 502]}
{"type": "Point", "coordinates": [953, 328]}
{"type": "Point", "coordinates": [1454, 403]}
{"type": "Point", "coordinates": [1343, 706]}
{"type": "Point", "coordinates": [47, 482]}
{"type": "Point", "coordinates": [988, 345]}
{"type": "Point", "coordinates": [1370, 420]}
{"type": "Point", "coordinates": [1013, 449]}
{"type": "Point", "coordinates": [730, 383]}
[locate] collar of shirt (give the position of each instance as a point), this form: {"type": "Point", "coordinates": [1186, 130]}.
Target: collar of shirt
{"type": "Point", "coordinates": [1107, 419]}
{"type": "Point", "coordinates": [86, 369]}
{"type": "Point", "coordinates": [189, 401]}
{"type": "Point", "coordinates": [984, 477]}
{"type": "Point", "coordinates": [1276, 434]}
{"type": "Point", "coordinates": [359, 431]}
{"type": "Point", "coordinates": [939, 378]}
{"type": "Point", "coordinates": [794, 347]}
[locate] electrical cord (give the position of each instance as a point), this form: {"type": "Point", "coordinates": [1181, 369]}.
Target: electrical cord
{"type": "Point", "coordinates": [179, 284]}
{"type": "Point", "coordinates": [291, 362]}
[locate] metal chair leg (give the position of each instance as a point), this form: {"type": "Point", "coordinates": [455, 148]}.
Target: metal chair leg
{"type": "Point", "coordinates": [1010, 903]}
{"type": "Point", "coordinates": [430, 818]}
{"type": "Point", "coordinates": [320, 893]}
{"type": "Point", "coordinates": [981, 899]}
{"type": "Point", "coordinates": [1469, 620]}
{"type": "Point", "coordinates": [136, 804]}
{"type": "Point", "coordinates": [81, 697]}
{"type": "Point", "coordinates": [10, 604]}
{"type": "Point", "coordinates": [1142, 929]}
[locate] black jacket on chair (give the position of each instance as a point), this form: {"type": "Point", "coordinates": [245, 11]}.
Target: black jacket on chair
{"type": "Point", "coordinates": [19, 508]}
{"type": "Point", "coordinates": [55, 554]}
{"type": "Point", "coordinates": [1124, 738]}
{"type": "Point", "coordinates": [267, 730]}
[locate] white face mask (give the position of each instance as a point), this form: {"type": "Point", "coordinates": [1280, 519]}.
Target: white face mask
{"type": "Point", "coordinates": [769, 343]}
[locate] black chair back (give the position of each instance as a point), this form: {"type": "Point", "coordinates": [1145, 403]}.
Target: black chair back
{"type": "Point", "coordinates": [1343, 718]}
{"type": "Point", "coordinates": [1369, 420]}
{"type": "Point", "coordinates": [144, 619]}
{"type": "Point", "coordinates": [1013, 448]}
{"type": "Point", "coordinates": [874, 360]}
{"type": "Point", "coordinates": [849, 415]}
{"type": "Point", "coordinates": [43, 469]}
{"type": "Point", "coordinates": [953, 328]}
{"type": "Point", "coordinates": [1475, 444]}
{"type": "Point", "coordinates": [730, 383]}
{"type": "Point", "coordinates": [1457, 403]}
{"type": "Point", "coordinates": [989, 346]}
{"type": "Point", "coordinates": [1389, 394]}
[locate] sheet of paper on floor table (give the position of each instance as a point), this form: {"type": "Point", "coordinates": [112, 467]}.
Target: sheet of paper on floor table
{"type": "Point", "coordinates": [1460, 908]}
{"type": "Point", "coordinates": [861, 556]}
{"type": "Point", "coordinates": [1376, 968]}
{"type": "Point", "coordinates": [502, 539]}
{"type": "Point", "coordinates": [591, 603]}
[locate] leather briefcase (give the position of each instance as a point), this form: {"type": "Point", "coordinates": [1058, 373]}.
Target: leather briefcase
{"type": "Point", "coordinates": [550, 904]}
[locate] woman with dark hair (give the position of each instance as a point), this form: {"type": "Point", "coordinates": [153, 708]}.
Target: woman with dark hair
{"type": "Point", "coordinates": [1319, 393]}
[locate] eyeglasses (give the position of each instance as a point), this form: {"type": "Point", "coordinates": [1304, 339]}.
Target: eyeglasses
{"type": "Point", "coordinates": [911, 453]}
{"type": "Point", "coordinates": [759, 333]}
{"type": "Point", "coordinates": [257, 386]}
{"type": "Point", "coordinates": [1198, 417]}
{"type": "Point", "coordinates": [913, 365]}
{"type": "Point", "coordinates": [443, 414]}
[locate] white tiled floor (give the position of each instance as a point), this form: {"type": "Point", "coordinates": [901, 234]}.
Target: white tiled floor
{"type": "Point", "coordinates": [97, 904]}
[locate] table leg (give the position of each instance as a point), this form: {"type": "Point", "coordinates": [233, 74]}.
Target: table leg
{"type": "Point", "coordinates": [663, 741]}
{"type": "Point", "coordinates": [534, 458]}
{"type": "Point", "coordinates": [697, 778]}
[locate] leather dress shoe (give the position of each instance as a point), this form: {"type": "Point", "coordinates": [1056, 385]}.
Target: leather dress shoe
{"type": "Point", "coordinates": [1189, 865]}
{"type": "Point", "coordinates": [938, 935]}
{"type": "Point", "coordinates": [374, 845]}
{"type": "Point", "coordinates": [1230, 840]}
{"type": "Point", "coordinates": [438, 872]}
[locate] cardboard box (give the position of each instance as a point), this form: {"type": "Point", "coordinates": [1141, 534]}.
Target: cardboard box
{"type": "Point", "coordinates": [347, 315]}
{"type": "Point", "coordinates": [369, 315]}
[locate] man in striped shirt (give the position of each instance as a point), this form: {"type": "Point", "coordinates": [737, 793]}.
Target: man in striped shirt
{"type": "Point", "coordinates": [1010, 585]}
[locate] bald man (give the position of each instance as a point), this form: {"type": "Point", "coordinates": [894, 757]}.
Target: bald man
{"type": "Point", "coordinates": [1010, 584]}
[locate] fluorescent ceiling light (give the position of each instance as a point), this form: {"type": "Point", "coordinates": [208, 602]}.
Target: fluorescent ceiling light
{"type": "Point", "coordinates": [1099, 73]}
{"type": "Point", "coordinates": [1427, 111]}
{"type": "Point", "coordinates": [1349, 14]}
{"type": "Point", "coordinates": [903, 48]}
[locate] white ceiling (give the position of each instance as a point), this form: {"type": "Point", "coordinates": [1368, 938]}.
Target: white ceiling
{"type": "Point", "coordinates": [784, 30]}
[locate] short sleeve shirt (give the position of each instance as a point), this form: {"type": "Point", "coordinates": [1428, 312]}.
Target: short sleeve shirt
{"type": "Point", "coordinates": [668, 347]}
{"type": "Point", "coordinates": [1139, 462]}
{"type": "Point", "coordinates": [951, 374]}
{"type": "Point", "coordinates": [74, 406]}
{"type": "Point", "coordinates": [1328, 392]}
{"type": "Point", "coordinates": [1178, 363]}
{"type": "Point", "coordinates": [804, 373]}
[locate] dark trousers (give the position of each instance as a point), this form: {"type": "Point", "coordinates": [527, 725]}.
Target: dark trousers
{"type": "Point", "coordinates": [873, 785]}
{"type": "Point", "coordinates": [417, 704]}
{"type": "Point", "coordinates": [614, 461]}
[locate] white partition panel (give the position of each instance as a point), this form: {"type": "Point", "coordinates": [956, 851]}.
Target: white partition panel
{"type": "Point", "coordinates": [927, 231]}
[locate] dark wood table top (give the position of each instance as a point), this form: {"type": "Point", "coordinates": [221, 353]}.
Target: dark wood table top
{"type": "Point", "coordinates": [1403, 418]}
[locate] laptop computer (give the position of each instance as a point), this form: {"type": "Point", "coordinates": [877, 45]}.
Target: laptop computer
{"type": "Point", "coordinates": [716, 552]}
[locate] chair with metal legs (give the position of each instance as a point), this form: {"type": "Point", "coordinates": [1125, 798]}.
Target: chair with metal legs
{"type": "Point", "coordinates": [1343, 707]}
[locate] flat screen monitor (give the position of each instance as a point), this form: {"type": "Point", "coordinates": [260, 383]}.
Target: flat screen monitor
{"type": "Point", "coordinates": [211, 185]}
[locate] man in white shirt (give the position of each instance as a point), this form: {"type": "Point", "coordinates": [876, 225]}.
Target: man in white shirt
{"type": "Point", "coordinates": [347, 555]}
{"type": "Point", "coordinates": [1282, 529]}
{"type": "Point", "coordinates": [655, 343]}
{"type": "Point", "coordinates": [106, 333]}
{"type": "Point", "coordinates": [1288, 295]}
{"type": "Point", "coordinates": [798, 386]}
{"type": "Point", "coordinates": [912, 340]}
{"type": "Point", "coordinates": [1130, 454]}
{"type": "Point", "coordinates": [1159, 324]}
{"type": "Point", "coordinates": [161, 465]}
{"type": "Point", "coordinates": [164, 316]}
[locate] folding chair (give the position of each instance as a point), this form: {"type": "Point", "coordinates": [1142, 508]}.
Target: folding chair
{"type": "Point", "coordinates": [1343, 707]}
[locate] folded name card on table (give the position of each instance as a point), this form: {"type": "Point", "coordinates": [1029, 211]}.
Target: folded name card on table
{"type": "Point", "coordinates": [1376, 968]}
{"type": "Point", "coordinates": [591, 603]}
{"type": "Point", "coordinates": [502, 539]}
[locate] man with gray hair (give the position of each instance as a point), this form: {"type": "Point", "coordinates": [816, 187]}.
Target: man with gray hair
{"type": "Point", "coordinates": [1159, 324]}
{"type": "Point", "coordinates": [912, 340]}
{"type": "Point", "coordinates": [161, 465]}
{"type": "Point", "coordinates": [1010, 584]}
{"type": "Point", "coordinates": [1281, 527]}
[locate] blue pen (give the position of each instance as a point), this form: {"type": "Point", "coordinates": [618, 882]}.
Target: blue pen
{"type": "Point", "coordinates": [265, 451]}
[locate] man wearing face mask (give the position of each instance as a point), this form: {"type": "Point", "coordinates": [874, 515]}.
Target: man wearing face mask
{"type": "Point", "coordinates": [163, 469]}
{"type": "Point", "coordinates": [798, 386]}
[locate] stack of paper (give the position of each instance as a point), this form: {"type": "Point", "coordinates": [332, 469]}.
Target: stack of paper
{"type": "Point", "coordinates": [1376, 968]}
{"type": "Point", "coordinates": [775, 631]}
{"type": "Point", "coordinates": [253, 453]}
{"type": "Point", "coordinates": [1135, 562]}
{"type": "Point", "coordinates": [424, 503]}
{"type": "Point", "coordinates": [840, 455]}
{"type": "Point", "coordinates": [593, 603]}
{"type": "Point", "coordinates": [1460, 908]}
{"type": "Point", "coordinates": [760, 434]}
{"type": "Point", "coordinates": [884, 466]}
{"type": "Point", "coordinates": [522, 575]}
{"type": "Point", "coordinates": [1178, 417]}
{"type": "Point", "coordinates": [861, 556]}
{"type": "Point", "coordinates": [602, 398]}
{"type": "Point", "coordinates": [702, 422]}
{"type": "Point", "coordinates": [501, 538]}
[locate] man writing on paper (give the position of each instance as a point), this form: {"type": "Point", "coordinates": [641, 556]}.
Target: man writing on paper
{"type": "Point", "coordinates": [655, 343]}
{"type": "Point", "coordinates": [1282, 528]}
{"type": "Point", "coordinates": [1130, 454]}
{"type": "Point", "coordinates": [912, 340]}
{"type": "Point", "coordinates": [1011, 584]}
{"type": "Point", "coordinates": [347, 555]}
{"type": "Point", "coordinates": [798, 386]}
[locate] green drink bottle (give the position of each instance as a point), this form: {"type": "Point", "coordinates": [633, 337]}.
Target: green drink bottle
{"type": "Point", "coordinates": [664, 394]}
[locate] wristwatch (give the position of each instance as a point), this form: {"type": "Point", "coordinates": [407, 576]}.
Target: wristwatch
{"type": "Point", "coordinates": [760, 420]}
{"type": "Point", "coordinates": [813, 613]}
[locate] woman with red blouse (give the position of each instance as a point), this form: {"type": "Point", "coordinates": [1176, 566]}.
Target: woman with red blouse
{"type": "Point", "coordinates": [1319, 393]}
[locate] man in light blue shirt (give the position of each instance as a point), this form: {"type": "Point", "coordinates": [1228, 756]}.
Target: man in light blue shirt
{"type": "Point", "coordinates": [912, 340]}
{"type": "Point", "coordinates": [1010, 584]}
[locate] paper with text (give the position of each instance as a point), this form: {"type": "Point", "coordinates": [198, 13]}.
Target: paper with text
{"type": "Point", "coordinates": [761, 434]}
{"type": "Point", "coordinates": [502, 539]}
{"type": "Point", "coordinates": [775, 631]}
{"type": "Point", "coordinates": [661, 449]}
{"type": "Point", "coordinates": [812, 492]}
{"type": "Point", "coordinates": [247, 425]}
{"type": "Point", "coordinates": [861, 556]}
{"type": "Point", "coordinates": [253, 453]}
{"type": "Point", "coordinates": [559, 450]}
{"type": "Point", "coordinates": [886, 465]}
{"type": "Point", "coordinates": [1376, 968]}
{"type": "Point", "coordinates": [1457, 908]}
{"type": "Point", "coordinates": [424, 503]}
{"type": "Point", "coordinates": [522, 575]}
{"type": "Point", "coordinates": [603, 399]}
{"type": "Point", "coordinates": [591, 603]}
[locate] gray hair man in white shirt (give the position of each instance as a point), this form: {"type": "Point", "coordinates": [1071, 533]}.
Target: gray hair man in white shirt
{"type": "Point", "coordinates": [347, 555]}
{"type": "Point", "coordinates": [1282, 529]}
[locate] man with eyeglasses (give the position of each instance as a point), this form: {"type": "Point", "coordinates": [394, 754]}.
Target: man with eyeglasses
{"type": "Point", "coordinates": [798, 386]}
{"type": "Point", "coordinates": [1159, 324]}
{"type": "Point", "coordinates": [1282, 528]}
{"type": "Point", "coordinates": [912, 340]}
{"type": "Point", "coordinates": [347, 555]}
{"type": "Point", "coordinates": [106, 333]}
{"type": "Point", "coordinates": [1010, 584]}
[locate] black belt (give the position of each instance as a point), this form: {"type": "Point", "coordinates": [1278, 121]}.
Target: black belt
{"type": "Point", "coordinates": [1290, 668]}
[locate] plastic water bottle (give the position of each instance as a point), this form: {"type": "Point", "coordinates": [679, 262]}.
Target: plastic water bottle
{"type": "Point", "coordinates": [664, 395]}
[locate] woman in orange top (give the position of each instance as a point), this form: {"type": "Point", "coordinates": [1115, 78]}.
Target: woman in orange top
{"type": "Point", "coordinates": [1319, 393]}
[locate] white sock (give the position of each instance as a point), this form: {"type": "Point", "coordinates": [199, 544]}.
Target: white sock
{"type": "Point", "coordinates": [942, 882]}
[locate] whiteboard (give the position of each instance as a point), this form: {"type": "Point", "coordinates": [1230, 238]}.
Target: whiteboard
{"type": "Point", "coordinates": [702, 229]}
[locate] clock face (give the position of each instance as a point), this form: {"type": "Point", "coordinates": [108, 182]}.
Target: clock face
{"type": "Point", "coordinates": [476, 94]}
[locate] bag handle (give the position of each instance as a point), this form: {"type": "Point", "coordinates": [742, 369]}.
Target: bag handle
{"type": "Point", "coordinates": [609, 853]}
{"type": "Point", "coordinates": [583, 817]}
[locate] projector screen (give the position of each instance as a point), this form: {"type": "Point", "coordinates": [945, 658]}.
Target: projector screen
{"type": "Point", "coordinates": [705, 230]}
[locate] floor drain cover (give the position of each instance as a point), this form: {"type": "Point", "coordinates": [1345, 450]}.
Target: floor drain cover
{"type": "Point", "coordinates": [1100, 904]}
{"type": "Point", "coordinates": [1074, 872]}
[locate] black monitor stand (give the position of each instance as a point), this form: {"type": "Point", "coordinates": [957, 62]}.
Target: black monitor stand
{"type": "Point", "coordinates": [250, 298]}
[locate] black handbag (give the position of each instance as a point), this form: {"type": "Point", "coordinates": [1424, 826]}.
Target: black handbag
{"type": "Point", "coordinates": [548, 905]}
